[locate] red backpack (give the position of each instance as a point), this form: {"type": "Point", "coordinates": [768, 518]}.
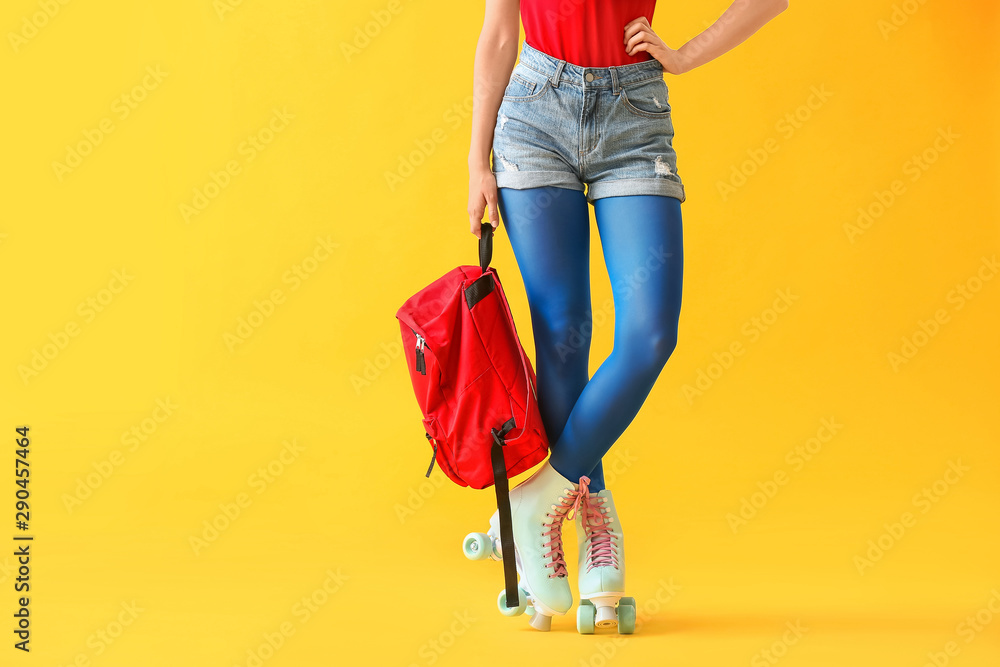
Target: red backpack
{"type": "Point", "coordinates": [475, 385]}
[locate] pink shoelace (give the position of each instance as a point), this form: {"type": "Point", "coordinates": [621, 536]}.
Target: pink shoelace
{"type": "Point", "coordinates": [569, 502]}
{"type": "Point", "coordinates": [601, 551]}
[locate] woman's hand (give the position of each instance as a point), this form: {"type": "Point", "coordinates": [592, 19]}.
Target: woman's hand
{"type": "Point", "coordinates": [482, 193]}
{"type": "Point", "coordinates": [640, 37]}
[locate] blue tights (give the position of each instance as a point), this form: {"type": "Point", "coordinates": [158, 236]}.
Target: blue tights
{"type": "Point", "coordinates": [549, 232]}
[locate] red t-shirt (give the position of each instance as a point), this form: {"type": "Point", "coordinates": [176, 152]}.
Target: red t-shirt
{"type": "Point", "coordinates": [589, 33]}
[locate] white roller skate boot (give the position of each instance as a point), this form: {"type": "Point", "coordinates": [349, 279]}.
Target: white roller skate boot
{"type": "Point", "coordinates": [602, 565]}
{"type": "Point", "coordinates": [538, 508]}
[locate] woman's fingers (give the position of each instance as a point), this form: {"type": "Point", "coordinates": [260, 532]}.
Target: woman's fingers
{"type": "Point", "coordinates": [483, 198]}
{"type": "Point", "coordinates": [634, 26]}
{"type": "Point", "coordinates": [638, 33]}
{"type": "Point", "coordinates": [491, 200]}
{"type": "Point", "coordinates": [636, 48]}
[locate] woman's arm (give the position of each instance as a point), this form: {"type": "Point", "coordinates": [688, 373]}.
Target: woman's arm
{"type": "Point", "coordinates": [496, 54]}
{"type": "Point", "coordinates": [742, 19]}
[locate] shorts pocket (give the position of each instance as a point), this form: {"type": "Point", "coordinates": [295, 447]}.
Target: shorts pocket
{"type": "Point", "coordinates": [519, 86]}
{"type": "Point", "coordinates": [648, 99]}
{"type": "Point", "coordinates": [525, 84]}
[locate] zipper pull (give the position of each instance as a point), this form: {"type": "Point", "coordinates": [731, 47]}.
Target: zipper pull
{"type": "Point", "coordinates": [433, 454]}
{"type": "Point", "coordinates": [421, 364]}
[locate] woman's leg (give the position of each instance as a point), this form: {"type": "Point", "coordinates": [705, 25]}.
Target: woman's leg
{"type": "Point", "coordinates": [549, 231]}
{"type": "Point", "coordinates": [642, 241]}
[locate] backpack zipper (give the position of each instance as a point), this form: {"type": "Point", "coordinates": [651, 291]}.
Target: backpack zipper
{"type": "Point", "coordinates": [421, 344]}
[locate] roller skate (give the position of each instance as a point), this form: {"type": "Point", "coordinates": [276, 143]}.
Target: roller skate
{"type": "Point", "coordinates": [601, 565]}
{"type": "Point", "coordinates": [538, 508]}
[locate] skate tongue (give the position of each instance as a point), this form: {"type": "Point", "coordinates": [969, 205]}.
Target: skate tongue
{"type": "Point", "coordinates": [582, 492]}
{"type": "Point", "coordinates": [559, 514]}
{"type": "Point", "coordinates": [601, 551]}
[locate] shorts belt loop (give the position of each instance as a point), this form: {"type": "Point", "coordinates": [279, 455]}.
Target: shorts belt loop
{"type": "Point", "coordinates": [614, 80]}
{"type": "Point", "coordinates": [558, 73]}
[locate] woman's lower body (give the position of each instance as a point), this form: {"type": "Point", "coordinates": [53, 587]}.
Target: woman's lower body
{"type": "Point", "coordinates": [642, 243]}
{"type": "Point", "coordinates": [561, 127]}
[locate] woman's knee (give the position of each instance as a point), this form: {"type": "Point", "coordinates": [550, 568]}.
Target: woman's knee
{"type": "Point", "coordinates": [662, 343]}
{"type": "Point", "coordinates": [650, 348]}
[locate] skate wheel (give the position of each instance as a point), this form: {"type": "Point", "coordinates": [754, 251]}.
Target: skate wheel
{"type": "Point", "coordinates": [522, 598]}
{"type": "Point", "coordinates": [477, 546]}
{"type": "Point", "coordinates": [627, 601]}
{"type": "Point", "coordinates": [585, 617]}
{"type": "Point", "coordinates": [626, 617]}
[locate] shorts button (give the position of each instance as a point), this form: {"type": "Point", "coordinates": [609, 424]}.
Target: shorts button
{"type": "Point", "coordinates": [589, 77]}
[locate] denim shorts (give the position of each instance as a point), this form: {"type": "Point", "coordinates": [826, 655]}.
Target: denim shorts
{"type": "Point", "coordinates": [564, 125]}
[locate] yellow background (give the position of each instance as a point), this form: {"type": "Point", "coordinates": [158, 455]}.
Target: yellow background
{"type": "Point", "coordinates": [323, 370]}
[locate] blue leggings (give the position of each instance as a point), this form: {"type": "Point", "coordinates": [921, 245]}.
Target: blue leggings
{"type": "Point", "coordinates": [549, 232]}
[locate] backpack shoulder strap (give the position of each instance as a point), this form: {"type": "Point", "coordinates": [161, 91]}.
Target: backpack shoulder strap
{"type": "Point", "coordinates": [503, 505]}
